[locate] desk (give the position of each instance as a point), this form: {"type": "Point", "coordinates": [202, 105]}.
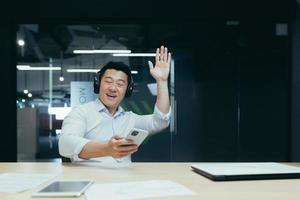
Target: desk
{"type": "Point", "coordinates": [288, 189]}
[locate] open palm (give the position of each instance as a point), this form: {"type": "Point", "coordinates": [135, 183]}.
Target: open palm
{"type": "Point", "coordinates": [160, 71]}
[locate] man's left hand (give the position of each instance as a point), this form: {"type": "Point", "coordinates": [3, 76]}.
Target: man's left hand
{"type": "Point", "coordinates": [160, 71]}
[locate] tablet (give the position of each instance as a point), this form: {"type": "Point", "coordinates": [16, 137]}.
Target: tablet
{"type": "Point", "coordinates": [72, 188]}
{"type": "Point", "coordinates": [246, 171]}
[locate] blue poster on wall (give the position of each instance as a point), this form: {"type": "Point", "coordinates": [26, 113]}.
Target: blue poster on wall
{"type": "Point", "coordinates": [82, 92]}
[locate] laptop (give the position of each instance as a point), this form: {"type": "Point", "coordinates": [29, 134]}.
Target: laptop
{"type": "Point", "coordinates": [229, 171]}
{"type": "Point", "coordinates": [64, 188]}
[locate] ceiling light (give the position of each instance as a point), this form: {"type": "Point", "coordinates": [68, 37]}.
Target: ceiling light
{"type": "Point", "coordinates": [135, 54]}
{"type": "Point", "coordinates": [29, 68]}
{"type": "Point", "coordinates": [83, 70]}
{"type": "Point", "coordinates": [92, 71]}
{"type": "Point", "coordinates": [61, 78]}
{"type": "Point", "coordinates": [25, 91]}
{"type": "Point", "coordinates": [100, 51]}
{"type": "Point", "coordinates": [21, 67]}
{"type": "Point", "coordinates": [29, 95]}
{"type": "Point", "coordinates": [21, 43]}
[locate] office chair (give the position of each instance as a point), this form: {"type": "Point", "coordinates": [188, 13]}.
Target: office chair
{"type": "Point", "coordinates": [65, 160]}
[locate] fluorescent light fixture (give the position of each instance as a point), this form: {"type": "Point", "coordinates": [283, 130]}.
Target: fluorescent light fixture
{"type": "Point", "coordinates": [92, 71]}
{"type": "Point", "coordinates": [100, 51]}
{"type": "Point", "coordinates": [59, 112]}
{"type": "Point", "coordinates": [83, 70]}
{"type": "Point", "coordinates": [135, 54]}
{"type": "Point", "coordinates": [29, 68]}
{"type": "Point", "coordinates": [21, 42]}
{"type": "Point", "coordinates": [23, 67]}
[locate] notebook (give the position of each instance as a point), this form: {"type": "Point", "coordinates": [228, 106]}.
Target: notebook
{"type": "Point", "coordinates": [228, 171]}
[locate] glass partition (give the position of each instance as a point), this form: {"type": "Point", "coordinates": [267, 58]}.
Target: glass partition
{"type": "Point", "coordinates": [56, 64]}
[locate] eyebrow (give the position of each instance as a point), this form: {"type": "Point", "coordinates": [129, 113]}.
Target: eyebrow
{"type": "Point", "coordinates": [108, 77]}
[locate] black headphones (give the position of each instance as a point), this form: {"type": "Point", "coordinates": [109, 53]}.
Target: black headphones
{"type": "Point", "coordinates": [110, 65]}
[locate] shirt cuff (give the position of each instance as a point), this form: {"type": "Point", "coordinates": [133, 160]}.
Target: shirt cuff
{"type": "Point", "coordinates": [161, 115]}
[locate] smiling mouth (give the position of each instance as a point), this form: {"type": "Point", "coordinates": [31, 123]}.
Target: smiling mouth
{"type": "Point", "coordinates": [111, 96]}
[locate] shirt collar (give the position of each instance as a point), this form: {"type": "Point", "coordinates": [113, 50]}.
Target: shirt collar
{"type": "Point", "coordinates": [101, 108]}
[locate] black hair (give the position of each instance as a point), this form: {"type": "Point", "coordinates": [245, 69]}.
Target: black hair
{"type": "Point", "coordinates": [119, 66]}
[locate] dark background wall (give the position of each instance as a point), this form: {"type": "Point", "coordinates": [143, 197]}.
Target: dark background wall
{"type": "Point", "coordinates": [295, 107]}
{"type": "Point", "coordinates": [239, 99]}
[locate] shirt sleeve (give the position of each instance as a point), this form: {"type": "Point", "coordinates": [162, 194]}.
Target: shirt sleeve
{"type": "Point", "coordinates": [161, 114]}
{"type": "Point", "coordinates": [71, 140]}
{"type": "Point", "coordinates": [154, 122]}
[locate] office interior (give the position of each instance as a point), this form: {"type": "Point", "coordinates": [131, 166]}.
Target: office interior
{"type": "Point", "coordinates": [234, 87]}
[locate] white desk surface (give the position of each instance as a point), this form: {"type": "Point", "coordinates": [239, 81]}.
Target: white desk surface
{"type": "Point", "coordinates": [287, 189]}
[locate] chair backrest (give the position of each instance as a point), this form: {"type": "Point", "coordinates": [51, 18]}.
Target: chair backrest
{"type": "Point", "coordinates": [65, 160]}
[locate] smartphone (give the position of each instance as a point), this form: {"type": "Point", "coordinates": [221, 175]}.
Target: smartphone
{"type": "Point", "coordinates": [137, 136]}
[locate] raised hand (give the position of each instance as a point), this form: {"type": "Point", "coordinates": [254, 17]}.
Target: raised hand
{"type": "Point", "coordinates": [160, 71]}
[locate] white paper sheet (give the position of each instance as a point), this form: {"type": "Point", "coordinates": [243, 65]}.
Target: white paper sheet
{"type": "Point", "coordinates": [136, 190]}
{"type": "Point", "coordinates": [103, 164]}
{"type": "Point", "coordinates": [18, 182]}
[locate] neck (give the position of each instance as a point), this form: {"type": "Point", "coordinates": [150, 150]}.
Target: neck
{"type": "Point", "coordinates": [111, 110]}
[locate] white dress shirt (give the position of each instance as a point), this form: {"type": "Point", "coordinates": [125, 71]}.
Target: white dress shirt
{"type": "Point", "coordinates": [92, 121]}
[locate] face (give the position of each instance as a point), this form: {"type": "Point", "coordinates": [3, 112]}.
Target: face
{"type": "Point", "coordinates": [113, 88]}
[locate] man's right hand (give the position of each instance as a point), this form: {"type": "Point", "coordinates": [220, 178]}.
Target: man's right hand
{"type": "Point", "coordinates": [118, 147]}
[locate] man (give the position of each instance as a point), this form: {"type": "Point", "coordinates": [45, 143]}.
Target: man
{"type": "Point", "coordinates": [97, 130]}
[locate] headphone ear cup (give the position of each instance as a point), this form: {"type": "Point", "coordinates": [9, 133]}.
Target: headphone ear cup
{"type": "Point", "coordinates": [129, 89]}
{"type": "Point", "coordinates": [96, 83]}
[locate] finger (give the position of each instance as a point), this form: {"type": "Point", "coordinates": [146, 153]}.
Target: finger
{"type": "Point", "coordinates": [125, 153]}
{"type": "Point", "coordinates": [157, 56]}
{"type": "Point", "coordinates": [126, 149]}
{"type": "Point", "coordinates": [116, 140]}
{"type": "Point", "coordinates": [117, 137]}
{"type": "Point", "coordinates": [161, 53]}
{"type": "Point", "coordinates": [150, 65]}
{"type": "Point", "coordinates": [165, 54]}
{"type": "Point", "coordinates": [169, 58]}
{"type": "Point", "coordinates": [126, 142]}
{"type": "Point", "coordinates": [117, 143]}
{"type": "Point", "coordinates": [123, 142]}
